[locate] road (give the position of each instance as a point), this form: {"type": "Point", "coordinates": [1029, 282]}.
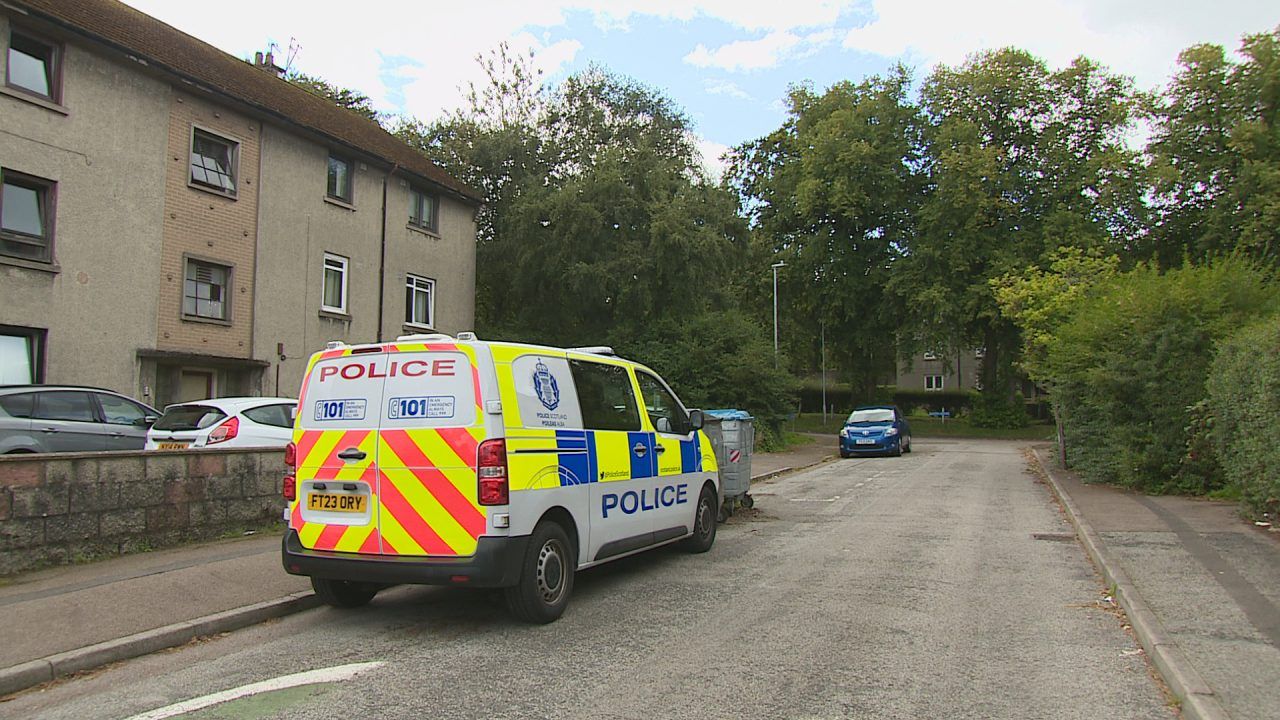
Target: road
{"type": "Point", "coordinates": [940, 584]}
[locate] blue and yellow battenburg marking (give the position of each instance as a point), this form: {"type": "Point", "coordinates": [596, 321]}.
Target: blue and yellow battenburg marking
{"type": "Point", "coordinates": [580, 459]}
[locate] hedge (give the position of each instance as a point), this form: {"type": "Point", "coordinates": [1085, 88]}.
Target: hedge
{"type": "Point", "coordinates": [1244, 400]}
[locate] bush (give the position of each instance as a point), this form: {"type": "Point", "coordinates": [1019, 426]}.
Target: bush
{"type": "Point", "coordinates": [1134, 357]}
{"type": "Point", "coordinates": [998, 411]}
{"type": "Point", "coordinates": [1244, 396]}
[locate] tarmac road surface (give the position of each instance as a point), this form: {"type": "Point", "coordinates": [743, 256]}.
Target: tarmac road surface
{"type": "Point", "coordinates": [944, 583]}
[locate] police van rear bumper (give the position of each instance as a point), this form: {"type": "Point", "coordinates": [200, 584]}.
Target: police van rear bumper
{"type": "Point", "coordinates": [495, 564]}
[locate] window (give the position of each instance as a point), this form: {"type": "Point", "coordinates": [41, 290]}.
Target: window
{"type": "Point", "coordinates": [339, 179]}
{"type": "Point", "coordinates": [33, 66]}
{"type": "Point", "coordinates": [21, 355]}
{"type": "Point", "coordinates": [204, 293]}
{"type": "Point", "coordinates": [120, 411]}
{"type": "Point", "coordinates": [422, 210]}
{"type": "Point", "coordinates": [18, 406]}
{"type": "Point", "coordinates": [69, 405]}
{"type": "Point", "coordinates": [605, 396]}
{"type": "Point", "coordinates": [213, 162]}
{"type": "Point", "coordinates": [665, 412]}
{"type": "Point", "coordinates": [189, 417]}
{"type": "Point", "coordinates": [335, 284]}
{"type": "Point", "coordinates": [419, 301]}
{"type": "Point", "coordinates": [274, 415]}
{"type": "Point", "coordinates": [26, 227]}
{"type": "Point", "coordinates": [932, 382]}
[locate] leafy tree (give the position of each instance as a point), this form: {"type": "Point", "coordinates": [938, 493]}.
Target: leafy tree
{"type": "Point", "coordinates": [1244, 396]}
{"type": "Point", "coordinates": [1216, 155]}
{"type": "Point", "coordinates": [1022, 160]}
{"type": "Point", "coordinates": [835, 189]}
{"type": "Point", "coordinates": [353, 100]}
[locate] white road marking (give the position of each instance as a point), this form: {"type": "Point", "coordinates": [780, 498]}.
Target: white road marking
{"type": "Point", "coordinates": [310, 677]}
{"type": "Point", "coordinates": [832, 499]}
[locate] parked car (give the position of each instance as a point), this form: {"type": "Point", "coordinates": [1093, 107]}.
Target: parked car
{"type": "Point", "coordinates": [69, 418]}
{"type": "Point", "coordinates": [224, 422]}
{"type": "Point", "coordinates": [875, 429]}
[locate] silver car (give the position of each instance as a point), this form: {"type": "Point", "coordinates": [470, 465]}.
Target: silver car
{"type": "Point", "coordinates": [66, 418]}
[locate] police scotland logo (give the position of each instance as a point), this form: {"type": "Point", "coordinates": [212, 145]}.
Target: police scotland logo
{"type": "Point", "coordinates": [544, 384]}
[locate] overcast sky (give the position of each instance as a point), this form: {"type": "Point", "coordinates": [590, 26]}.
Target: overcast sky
{"type": "Point", "coordinates": [726, 62]}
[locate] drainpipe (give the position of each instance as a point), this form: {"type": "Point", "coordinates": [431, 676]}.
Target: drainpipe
{"type": "Point", "coordinates": [382, 258]}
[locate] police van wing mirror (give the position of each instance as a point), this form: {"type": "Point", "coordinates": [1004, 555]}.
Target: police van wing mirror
{"type": "Point", "coordinates": [695, 419]}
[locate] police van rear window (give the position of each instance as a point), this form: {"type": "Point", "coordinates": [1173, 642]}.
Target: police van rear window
{"type": "Point", "coordinates": [398, 390]}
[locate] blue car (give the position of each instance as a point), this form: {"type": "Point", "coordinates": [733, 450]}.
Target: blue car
{"type": "Point", "coordinates": [875, 430]}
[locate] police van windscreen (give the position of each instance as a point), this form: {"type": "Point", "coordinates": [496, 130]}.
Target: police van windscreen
{"type": "Point", "coordinates": [189, 417]}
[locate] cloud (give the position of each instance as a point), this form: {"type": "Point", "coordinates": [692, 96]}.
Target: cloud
{"type": "Point", "coordinates": [712, 155]}
{"type": "Point", "coordinates": [1140, 38]}
{"type": "Point", "coordinates": [725, 87]}
{"type": "Point", "coordinates": [769, 51]}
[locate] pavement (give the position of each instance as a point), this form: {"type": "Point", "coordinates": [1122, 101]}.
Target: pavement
{"type": "Point", "coordinates": [1201, 588]}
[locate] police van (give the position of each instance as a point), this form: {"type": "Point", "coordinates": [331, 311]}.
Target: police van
{"type": "Point", "coordinates": [465, 462]}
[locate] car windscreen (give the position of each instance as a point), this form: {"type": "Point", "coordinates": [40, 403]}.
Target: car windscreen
{"type": "Point", "coordinates": [189, 417]}
{"type": "Point", "coordinates": [875, 415]}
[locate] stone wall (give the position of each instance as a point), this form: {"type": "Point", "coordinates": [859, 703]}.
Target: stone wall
{"type": "Point", "coordinates": [62, 508]}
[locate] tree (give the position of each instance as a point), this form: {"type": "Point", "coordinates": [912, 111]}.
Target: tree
{"type": "Point", "coordinates": [835, 189]}
{"type": "Point", "coordinates": [1215, 152]}
{"type": "Point", "coordinates": [353, 100]}
{"type": "Point", "coordinates": [1022, 161]}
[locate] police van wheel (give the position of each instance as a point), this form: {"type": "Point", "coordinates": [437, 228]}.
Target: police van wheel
{"type": "Point", "coordinates": [546, 576]}
{"type": "Point", "coordinates": [704, 523]}
{"type": "Point", "coordinates": [343, 593]}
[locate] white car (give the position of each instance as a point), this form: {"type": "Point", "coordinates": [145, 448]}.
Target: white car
{"type": "Point", "coordinates": [224, 422]}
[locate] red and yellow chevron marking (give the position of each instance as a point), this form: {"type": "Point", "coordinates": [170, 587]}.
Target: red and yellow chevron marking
{"type": "Point", "coordinates": [428, 493]}
{"type": "Point", "coordinates": [318, 460]}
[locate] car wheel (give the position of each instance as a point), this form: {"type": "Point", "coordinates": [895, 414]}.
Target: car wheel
{"type": "Point", "coordinates": [897, 449]}
{"type": "Point", "coordinates": [704, 523]}
{"type": "Point", "coordinates": [343, 593]}
{"type": "Point", "coordinates": [546, 576]}
{"type": "Point", "coordinates": [908, 447]}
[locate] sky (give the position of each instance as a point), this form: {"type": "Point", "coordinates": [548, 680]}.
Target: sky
{"type": "Point", "coordinates": [727, 63]}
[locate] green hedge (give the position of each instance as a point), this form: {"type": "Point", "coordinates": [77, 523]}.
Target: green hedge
{"type": "Point", "coordinates": [1244, 398]}
{"type": "Point", "coordinates": [1132, 361]}
{"type": "Point", "coordinates": [953, 401]}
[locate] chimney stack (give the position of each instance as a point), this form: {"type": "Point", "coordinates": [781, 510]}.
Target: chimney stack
{"type": "Point", "coordinates": [267, 63]}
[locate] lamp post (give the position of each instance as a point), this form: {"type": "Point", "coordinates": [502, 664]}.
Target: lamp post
{"type": "Point", "coordinates": [775, 267]}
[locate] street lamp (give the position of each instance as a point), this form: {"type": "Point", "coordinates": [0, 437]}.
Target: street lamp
{"type": "Point", "coordinates": [775, 267]}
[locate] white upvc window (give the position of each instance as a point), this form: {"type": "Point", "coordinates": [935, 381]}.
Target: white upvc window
{"type": "Point", "coordinates": [932, 382]}
{"type": "Point", "coordinates": [334, 298]}
{"type": "Point", "coordinates": [419, 301]}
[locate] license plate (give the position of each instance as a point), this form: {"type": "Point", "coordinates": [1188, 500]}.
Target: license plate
{"type": "Point", "coordinates": [865, 441]}
{"type": "Point", "coordinates": [335, 502]}
{"type": "Point", "coordinates": [172, 445]}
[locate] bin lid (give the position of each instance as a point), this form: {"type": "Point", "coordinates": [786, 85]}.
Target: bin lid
{"type": "Point", "coordinates": [728, 414]}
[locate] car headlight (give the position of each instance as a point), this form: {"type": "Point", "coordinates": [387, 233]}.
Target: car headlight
{"type": "Point", "coordinates": [844, 432]}
{"type": "Point", "coordinates": [891, 432]}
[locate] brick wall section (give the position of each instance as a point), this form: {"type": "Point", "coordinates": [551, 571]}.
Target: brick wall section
{"type": "Point", "coordinates": [57, 508]}
{"type": "Point", "coordinates": [211, 227]}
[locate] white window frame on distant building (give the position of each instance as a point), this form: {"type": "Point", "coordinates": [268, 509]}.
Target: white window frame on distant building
{"type": "Point", "coordinates": [337, 266]}
{"type": "Point", "coordinates": [416, 285]}
{"type": "Point", "coordinates": [934, 382]}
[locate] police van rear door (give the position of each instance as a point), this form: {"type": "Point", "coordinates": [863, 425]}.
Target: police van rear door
{"type": "Point", "coordinates": [336, 441]}
{"type": "Point", "coordinates": [430, 425]}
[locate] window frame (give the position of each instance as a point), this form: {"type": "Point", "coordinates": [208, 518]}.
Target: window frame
{"type": "Point", "coordinates": [46, 193]}
{"type": "Point", "coordinates": [53, 65]}
{"type": "Point", "coordinates": [349, 200]}
{"type": "Point", "coordinates": [410, 290]}
{"type": "Point", "coordinates": [346, 277]}
{"type": "Point", "coordinates": [681, 413]}
{"type": "Point", "coordinates": [36, 338]}
{"type": "Point", "coordinates": [418, 198]}
{"type": "Point", "coordinates": [930, 384]}
{"type": "Point", "coordinates": [91, 402]}
{"type": "Point", "coordinates": [592, 415]}
{"type": "Point", "coordinates": [233, 157]}
{"type": "Point", "coordinates": [187, 260]}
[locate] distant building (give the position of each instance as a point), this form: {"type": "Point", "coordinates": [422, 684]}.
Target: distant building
{"type": "Point", "coordinates": [931, 371]}
{"type": "Point", "coordinates": [177, 223]}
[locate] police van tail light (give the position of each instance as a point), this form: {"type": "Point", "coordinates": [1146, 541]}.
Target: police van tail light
{"type": "Point", "coordinates": [225, 431]}
{"type": "Point", "coordinates": [491, 472]}
{"type": "Point", "coordinates": [290, 486]}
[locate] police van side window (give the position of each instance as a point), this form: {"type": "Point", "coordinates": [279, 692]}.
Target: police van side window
{"type": "Point", "coordinates": [605, 395]}
{"type": "Point", "coordinates": [665, 412]}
